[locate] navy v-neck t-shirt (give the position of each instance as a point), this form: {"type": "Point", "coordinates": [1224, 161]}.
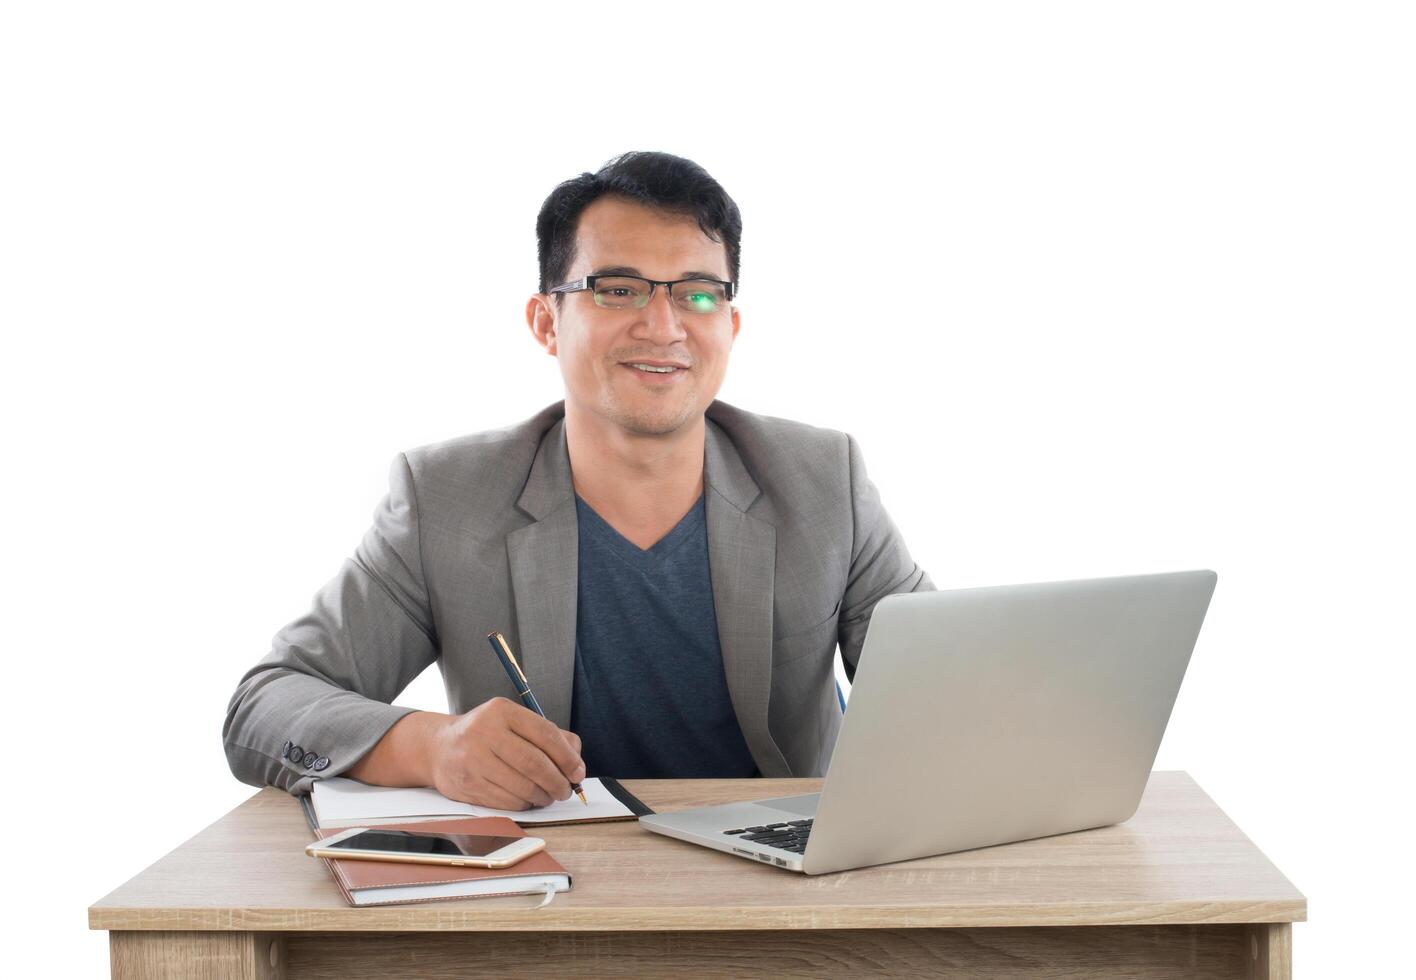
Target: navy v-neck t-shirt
{"type": "Point", "coordinates": [650, 697]}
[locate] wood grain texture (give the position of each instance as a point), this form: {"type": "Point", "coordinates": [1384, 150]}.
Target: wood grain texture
{"type": "Point", "coordinates": [1271, 951]}
{"type": "Point", "coordinates": [1170, 952]}
{"type": "Point", "coordinates": [1179, 860]}
{"type": "Point", "coordinates": [196, 956]}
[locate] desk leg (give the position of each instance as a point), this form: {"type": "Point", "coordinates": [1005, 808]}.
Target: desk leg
{"type": "Point", "coordinates": [196, 955]}
{"type": "Point", "coordinates": [1271, 950]}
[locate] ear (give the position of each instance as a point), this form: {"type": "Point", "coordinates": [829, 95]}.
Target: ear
{"type": "Point", "coordinates": [737, 322]}
{"type": "Point", "coordinates": [541, 318]}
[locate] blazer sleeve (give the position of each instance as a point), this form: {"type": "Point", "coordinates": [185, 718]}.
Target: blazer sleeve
{"type": "Point", "coordinates": [319, 701]}
{"type": "Point", "coordinates": [880, 563]}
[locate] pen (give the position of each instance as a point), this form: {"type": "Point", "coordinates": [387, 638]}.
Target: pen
{"type": "Point", "coordinates": [523, 688]}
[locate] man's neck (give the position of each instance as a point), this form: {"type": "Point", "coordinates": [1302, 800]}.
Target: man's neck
{"type": "Point", "coordinates": [641, 485]}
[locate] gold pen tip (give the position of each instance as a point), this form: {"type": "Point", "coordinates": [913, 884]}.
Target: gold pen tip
{"type": "Point", "coordinates": [581, 794]}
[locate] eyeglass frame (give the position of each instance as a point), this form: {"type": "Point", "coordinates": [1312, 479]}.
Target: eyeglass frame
{"type": "Point", "coordinates": [588, 283]}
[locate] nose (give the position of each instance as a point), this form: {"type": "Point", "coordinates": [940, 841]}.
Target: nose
{"type": "Point", "coordinates": [659, 321]}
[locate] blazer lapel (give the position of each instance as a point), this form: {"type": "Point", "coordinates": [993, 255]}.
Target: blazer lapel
{"type": "Point", "coordinates": [742, 555]}
{"type": "Point", "coordinates": [544, 564]}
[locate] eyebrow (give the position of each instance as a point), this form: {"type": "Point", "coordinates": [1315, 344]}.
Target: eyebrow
{"type": "Point", "coordinates": [629, 270]}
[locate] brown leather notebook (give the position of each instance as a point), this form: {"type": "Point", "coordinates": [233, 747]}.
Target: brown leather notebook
{"type": "Point", "coordinates": [398, 883]}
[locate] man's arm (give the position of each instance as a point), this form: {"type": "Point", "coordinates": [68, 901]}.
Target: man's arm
{"type": "Point", "coordinates": [326, 684]}
{"type": "Point", "coordinates": [880, 563]}
{"type": "Point", "coordinates": [317, 705]}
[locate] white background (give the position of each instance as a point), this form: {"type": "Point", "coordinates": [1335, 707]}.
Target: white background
{"type": "Point", "coordinates": [1100, 288]}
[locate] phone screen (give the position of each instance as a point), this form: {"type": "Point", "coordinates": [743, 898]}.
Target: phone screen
{"type": "Point", "coordinates": [403, 842]}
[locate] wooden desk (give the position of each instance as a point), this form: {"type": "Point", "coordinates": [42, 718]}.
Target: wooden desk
{"type": "Point", "coordinates": [1177, 891]}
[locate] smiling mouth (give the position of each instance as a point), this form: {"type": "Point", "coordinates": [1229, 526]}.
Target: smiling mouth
{"type": "Point", "coordinates": [655, 368]}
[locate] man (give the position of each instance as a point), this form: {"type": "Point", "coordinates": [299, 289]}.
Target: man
{"type": "Point", "coordinates": [673, 573]}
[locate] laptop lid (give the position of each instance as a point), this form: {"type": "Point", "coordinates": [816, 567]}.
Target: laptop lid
{"type": "Point", "coordinates": [983, 716]}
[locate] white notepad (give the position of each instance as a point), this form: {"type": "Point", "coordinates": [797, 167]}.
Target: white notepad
{"type": "Point", "coordinates": [341, 802]}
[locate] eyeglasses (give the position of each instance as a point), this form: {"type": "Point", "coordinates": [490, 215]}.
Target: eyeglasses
{"type": "Point", "coordinates": [635, 292]}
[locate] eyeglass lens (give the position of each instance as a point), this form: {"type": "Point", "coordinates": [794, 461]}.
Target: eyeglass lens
{"type": "Point", "coordinates": [692, 295]}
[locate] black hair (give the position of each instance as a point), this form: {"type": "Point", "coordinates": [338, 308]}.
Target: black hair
{"type": "Point", "coordinates": [659, 180]}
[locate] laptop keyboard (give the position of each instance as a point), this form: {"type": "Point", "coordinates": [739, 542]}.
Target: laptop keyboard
{"type": "Point", "coordinates": [789, 836]}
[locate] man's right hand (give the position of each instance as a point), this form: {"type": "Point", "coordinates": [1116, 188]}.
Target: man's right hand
{"type": "Point", "coordinates": [502, 754]}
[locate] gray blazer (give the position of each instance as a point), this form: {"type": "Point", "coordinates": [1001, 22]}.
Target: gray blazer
{"type": "Point", "coordinates": [479, 533]}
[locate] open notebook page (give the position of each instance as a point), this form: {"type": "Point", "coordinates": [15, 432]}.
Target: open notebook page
{"type": "Point", "coordinates": [341, 802]}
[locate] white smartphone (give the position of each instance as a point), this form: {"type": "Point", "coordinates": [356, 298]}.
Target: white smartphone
{"type": "Point", "coordinates": [459, 850]}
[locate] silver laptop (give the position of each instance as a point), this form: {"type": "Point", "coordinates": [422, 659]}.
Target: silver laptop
{"type": "Point", "coordinates": [981, 717]}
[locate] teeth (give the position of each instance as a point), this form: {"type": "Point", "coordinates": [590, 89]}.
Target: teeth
{"type": "Point", "coordinates": [650, 367]}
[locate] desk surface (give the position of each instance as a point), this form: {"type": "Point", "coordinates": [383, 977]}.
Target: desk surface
{"type": "Point", "coordinates": [1178, 860]}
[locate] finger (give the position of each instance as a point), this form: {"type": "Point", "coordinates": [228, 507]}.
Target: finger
{"type": "Point", "coordinates": [506, 743]}
{"type": "Point", "coordinates": [573, 739]}
{"type": "Point", "coordinates": [509, 787]}
{"type": "Point", "coordinates": [528, 759]}
{"type": "Point", "coordinates": [478, 791]}
{"type": "Point", "coordinates": [467, 784]}
{"type": "Point", "coordinates": [547, 737]}
{"type": "Point", "coordinates": [488, 793]}
{"type": "Point", "coordinates": [518, 770]}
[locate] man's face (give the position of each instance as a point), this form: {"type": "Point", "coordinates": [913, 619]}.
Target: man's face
{"type": "Point", "coordinates": [597, 346]}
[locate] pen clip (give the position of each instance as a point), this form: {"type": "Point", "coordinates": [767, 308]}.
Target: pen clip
{"type": "Point", "coordinates": [500, 640]}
